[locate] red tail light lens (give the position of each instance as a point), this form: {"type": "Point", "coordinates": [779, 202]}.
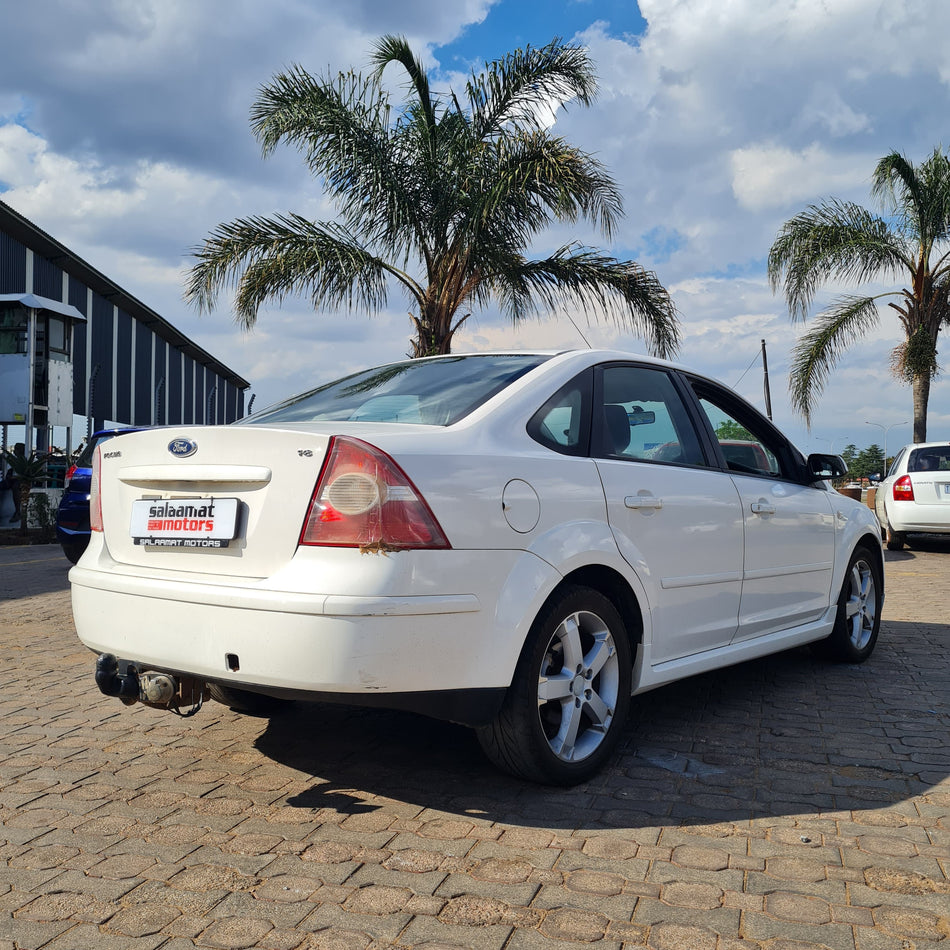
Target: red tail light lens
{"type": "Point", "coordinates": [363, 498]}
{"type": "Point", "coordinates": [95, 500]}
{"type": "Point", "coordinates": [903, 489]}
{"type": "Point", "coordinates": [68, 477]}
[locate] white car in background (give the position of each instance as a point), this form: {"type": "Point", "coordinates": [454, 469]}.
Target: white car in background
{"type": "Point", "coordinates": [915, 495]}
{"type": "Point", "coordinates": [483, 538]}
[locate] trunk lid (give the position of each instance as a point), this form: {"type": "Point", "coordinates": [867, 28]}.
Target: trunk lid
{"type": "Point", "coordinates": [931, 488]}
{"type": "Point", "coordinates": [221, 500]}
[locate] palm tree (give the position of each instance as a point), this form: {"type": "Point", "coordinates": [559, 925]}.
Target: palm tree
{"type": "Point", "coordinates": [910, 244]}
{"type": "Point", "coordinates": [440, 197]}
{"type": "Point", "coordinates": [25, 470]}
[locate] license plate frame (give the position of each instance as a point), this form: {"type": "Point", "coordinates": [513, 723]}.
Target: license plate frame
{"type": "Point", "coordinates": [191, 523]}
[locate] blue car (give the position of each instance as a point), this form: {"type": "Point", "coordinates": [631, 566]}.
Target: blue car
{"type": "Point", "coordinates": [72, 518]}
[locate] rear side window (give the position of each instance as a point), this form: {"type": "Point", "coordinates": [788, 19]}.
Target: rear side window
{"type": "Point", "coordinates": [563, 422]}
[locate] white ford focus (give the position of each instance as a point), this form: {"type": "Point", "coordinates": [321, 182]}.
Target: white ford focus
{"type": "Point", "coordinates": [494, 539]}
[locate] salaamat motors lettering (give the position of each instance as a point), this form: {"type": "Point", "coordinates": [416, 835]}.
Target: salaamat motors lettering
{"type": "Point", "coordinates": [184, 522]}
{"type": "Point", "coordinates": [186, 518]}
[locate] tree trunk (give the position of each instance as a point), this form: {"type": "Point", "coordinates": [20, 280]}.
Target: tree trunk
{"type": "Point", "coordinates": [921, 389]}
{"type": "Point", "coordinates": [433, 337]}
{"type": "Point", "coordinates": [24, 504]}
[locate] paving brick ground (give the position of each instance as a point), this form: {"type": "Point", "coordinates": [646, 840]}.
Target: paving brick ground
{"type": "Point", "coordinates": [781, 805]}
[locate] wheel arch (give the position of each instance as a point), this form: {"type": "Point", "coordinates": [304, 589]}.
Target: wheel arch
{"type": "Point", "coordinates": [873, 545]}
{"type": "Point", "coordinates": [614, 586]}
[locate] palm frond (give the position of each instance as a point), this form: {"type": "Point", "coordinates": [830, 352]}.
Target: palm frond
{"type": "Point", "coordinates": [521, 87]}
{"type": "Point", "coordinates": [833, 239]}
{"type": "Point", "coordinates": [319, 117]}
{"type": "Point", "coordinates": [538, 175]}
{"type": "Point", "coordinates": [919, 196]}
{"type": "Point", "coordinates": [575, 275]}
{"type": "Point", "coordinates": [819, 350]}
{"type": "Point", "coordinates": [272, 258]}
{"type": "Point", "coordinates": [395, 49]}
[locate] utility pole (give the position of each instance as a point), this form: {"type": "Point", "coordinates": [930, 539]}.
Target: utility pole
{"type": "Point", "coordinates": [765, 371]}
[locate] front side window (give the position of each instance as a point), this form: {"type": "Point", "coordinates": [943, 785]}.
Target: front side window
{"type": "Point", "coordinates": [748, 444]}
{"type": "Point", "coordinates": [434, 392]}
{"type": "Point", "coordinates": [639, 414]}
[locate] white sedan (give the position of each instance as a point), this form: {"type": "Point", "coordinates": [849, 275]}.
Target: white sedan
{"type": "Point", "coordinates": [915, 495]}
{"type": "Point", "coordinates": [493, 539]}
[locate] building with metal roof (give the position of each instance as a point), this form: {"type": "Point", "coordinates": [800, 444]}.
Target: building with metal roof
{"type": "Point", "coordinates": [74, 343]}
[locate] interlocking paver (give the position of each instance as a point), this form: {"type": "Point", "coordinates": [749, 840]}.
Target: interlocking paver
{"type": "Point", "coordinates": [781, 805]}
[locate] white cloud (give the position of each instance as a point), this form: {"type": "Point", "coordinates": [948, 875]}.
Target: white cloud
{"type": "Point", "coordinates": [769, 176]}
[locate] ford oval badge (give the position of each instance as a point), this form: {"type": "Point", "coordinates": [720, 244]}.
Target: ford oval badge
{"type": "Point", "coordinates": [182, 448]}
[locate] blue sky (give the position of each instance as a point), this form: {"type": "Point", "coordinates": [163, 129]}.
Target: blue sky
{"type": "Point", "coordinates": [124, 134]}
{"type": "Point", "coordinates": [511, 24]}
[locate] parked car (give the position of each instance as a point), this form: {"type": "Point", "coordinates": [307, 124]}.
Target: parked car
{"type": "Point", "coordinates": [739, 455]}
{"type": "Point", "coordinates": [914, 497]}
{"type": "Point", "coordinates": [72, 516]}
{"type": "Point", "coordinates": [482, 538]}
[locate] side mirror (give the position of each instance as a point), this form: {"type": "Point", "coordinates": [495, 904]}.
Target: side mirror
{"type": "Point", "coordinates": [826, 466]}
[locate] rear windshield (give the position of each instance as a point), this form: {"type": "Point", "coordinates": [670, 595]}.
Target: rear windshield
{"type": "Point", "coordinates": [934, 459]}
{"type": "Point", "coordinates": [435, 392]}
{"type": "Point", "coordinates": [85, 457]}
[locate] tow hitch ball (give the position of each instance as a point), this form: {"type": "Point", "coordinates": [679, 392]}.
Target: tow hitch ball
{"type": "Point", "coordinates": [151, 688]}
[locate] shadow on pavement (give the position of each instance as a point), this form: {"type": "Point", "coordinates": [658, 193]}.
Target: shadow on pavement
{"type": "Point", "coordinates": [933, 543]}
{"type": "Point", "coordinates": [29, 570]}
{"type": "Point", "coordinates": [785, 735]}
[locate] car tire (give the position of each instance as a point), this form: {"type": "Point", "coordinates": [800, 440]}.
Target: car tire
{"type": "Point", "coordinates": [74, 551]}
{"type": "Point", "coordinates": [894, 540]}
{"type": "Point", "coordinates": [858, 620]}
{"type": "Point", "coordinates": [244, 701]}
{"type": "Point", "coordinates": [565, 709]}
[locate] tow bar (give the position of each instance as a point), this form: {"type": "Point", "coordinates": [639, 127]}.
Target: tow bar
{"type": "Point", "coordinates": [160, 690]}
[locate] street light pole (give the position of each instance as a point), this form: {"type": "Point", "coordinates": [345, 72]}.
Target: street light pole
{"type": "Point", "coordinates": [885, 430]}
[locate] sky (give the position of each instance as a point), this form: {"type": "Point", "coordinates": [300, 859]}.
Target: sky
{"type": "Point", "coordinates": [124, 134]}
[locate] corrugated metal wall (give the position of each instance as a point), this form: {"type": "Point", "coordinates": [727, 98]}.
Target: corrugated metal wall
{"type": "Point", "coordinates": [127, 360]}
{"type": "Point", "coordinates": [12, 265]}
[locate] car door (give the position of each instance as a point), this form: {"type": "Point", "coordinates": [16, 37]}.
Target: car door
{"type": "Point", "coordinates": [789, 526]}
{"type": "Point", "coordinates": [674, 513]}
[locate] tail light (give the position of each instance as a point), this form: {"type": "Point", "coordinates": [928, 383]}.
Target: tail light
{"type": "Point", "coordinates": [68, 477]}
{"type": "Point", "coordinates": [903, 489]}
{"type": "Point", "coordinates": [95, 499]}
{"type": "Point", "coordinates": [363, 498]}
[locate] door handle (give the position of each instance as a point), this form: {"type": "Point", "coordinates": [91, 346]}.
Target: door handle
{"type": "Point", "coordinates": [643, 502]}
{"type": "Point", "coordinates": [762, 508]}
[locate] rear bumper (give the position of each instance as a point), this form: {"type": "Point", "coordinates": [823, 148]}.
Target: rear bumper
{"type": "Point", "coordinates": [908, 517]}
{"type": "Point", "coordinates": [446, 655]}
